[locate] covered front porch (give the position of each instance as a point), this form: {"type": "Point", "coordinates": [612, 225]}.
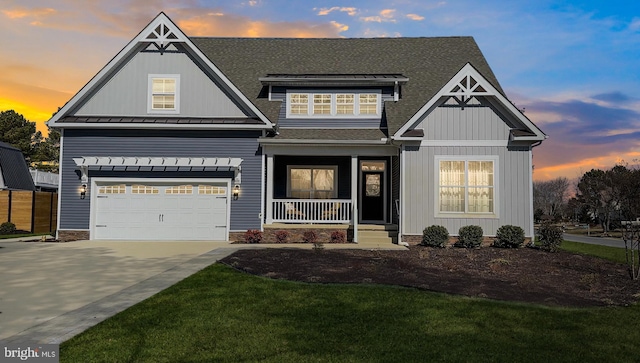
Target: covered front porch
{"type": "Point", "coordinates": [331, 186]}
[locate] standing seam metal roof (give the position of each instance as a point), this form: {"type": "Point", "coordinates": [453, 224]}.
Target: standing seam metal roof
{"type": "Point", "coordinates": [429, 63]}
{"type": "Point", "coordinates": [15, 171]}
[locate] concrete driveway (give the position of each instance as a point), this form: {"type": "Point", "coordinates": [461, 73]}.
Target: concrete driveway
{"type": "Point", "coordinates": [42, 282]}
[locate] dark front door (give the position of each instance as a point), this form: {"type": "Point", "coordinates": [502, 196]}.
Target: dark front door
{"type": "Point", "coordinates": [372, 192]}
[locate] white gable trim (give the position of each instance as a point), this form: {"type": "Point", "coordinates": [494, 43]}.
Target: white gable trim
{"type": "Point", "coordinates": [462, 87]}
{"type": "Point", "coordinates": [168, 33]}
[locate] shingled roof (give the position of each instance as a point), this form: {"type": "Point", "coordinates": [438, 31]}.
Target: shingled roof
{"type": "Point", "coordinates": [428, 63]}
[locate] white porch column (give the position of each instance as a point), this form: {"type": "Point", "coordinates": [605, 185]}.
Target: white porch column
{"type": "Point", "coordinates": [269, 206]}
{"type": "Point", "coordinates": [354, 195]}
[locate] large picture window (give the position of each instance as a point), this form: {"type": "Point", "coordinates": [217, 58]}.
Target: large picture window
{"type": "Point", "coordinates": [312, 182]}
{"type": "Point", "coordinates": [466, 186]}
{"type": "Point", "coordinates": [348, 105]}
{"type": "Point", "coordinates": [164, 93]}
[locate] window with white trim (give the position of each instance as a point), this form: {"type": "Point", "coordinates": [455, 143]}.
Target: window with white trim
{"type": "Point", "coordinates": [144, 189]}
{"type": "Point", "coordinates": [466, 186]}
{"type": "Point", "coordinates": [164, 93]}
{"type": "Point", "coordinates": [323, 104]}
{"type": "Point", "coordinates": [112, 189]}
{"type": "Point", "coordinates": [312, 182]}
{"type": "Point", "coordinates": [179, 189]}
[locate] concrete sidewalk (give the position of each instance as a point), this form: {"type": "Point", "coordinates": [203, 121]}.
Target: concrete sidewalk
{"type": "Point", "coordinates": [50, 292]}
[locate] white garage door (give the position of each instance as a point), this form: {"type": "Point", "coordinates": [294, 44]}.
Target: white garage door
{"type": "Point", "coordinates": [160, 211]}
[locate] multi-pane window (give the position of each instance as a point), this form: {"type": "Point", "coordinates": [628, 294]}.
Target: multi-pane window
{"type": "Point", "coordinates": [179, 189]}
{"type": "Point", "coordinates": [144, 189]}
{"type": "Point", "coordinates": [322, 104]}
{"type": "Point", "coordinates": [212, 189]}
{"type": "Point", "coordinates": [299, 104]}
{"type": "Point", "coordinates": [112, 189]}
{"type": "Point", "coordinates": [164, 93]}
{"type": "Point", "coordinates": [333, 104]}
{"type": "Point", "coordinates": [368, 103]}
{"type": "Point", "coordinates": [345, 104]}
{"type": "Point", "coordinates": [313, 182]}
{"type": "Point", "coordinates": [466, 186]}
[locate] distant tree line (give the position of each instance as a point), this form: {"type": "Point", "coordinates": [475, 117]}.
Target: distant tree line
{"type": "Point", "coordinates": [40, 153]}
{"type": "Point", "coordinates": [603, 196]}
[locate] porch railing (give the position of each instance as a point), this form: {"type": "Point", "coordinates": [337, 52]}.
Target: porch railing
{"type": "Point", "coordinates": [312, 210]}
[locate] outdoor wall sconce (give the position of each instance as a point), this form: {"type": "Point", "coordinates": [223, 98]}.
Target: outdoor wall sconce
{"type": "Point", "coordinates": [236, 192]}
{"type": "Point", "coordinates": [83, 191]}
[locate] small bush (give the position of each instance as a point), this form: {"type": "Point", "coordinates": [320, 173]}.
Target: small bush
{"type": "Point", "coordinates": [282, 236]}
{"type": "Point", "coordinates": [310, 236]}
{"type": "Point", "coordinates": [7, 228]}
{"type": "Point", "coordinates": [338, 237]}
{"type": "Point", "coordinates": [509, 237]}
{"type": "Point", "coordinates": [253, 236]}
{"type": "Point", "coordinates": [550, 237]}
{"type": "Point", "coordinates": [435, 236]}
{"type": "Point", "coordinates": [469, 237]}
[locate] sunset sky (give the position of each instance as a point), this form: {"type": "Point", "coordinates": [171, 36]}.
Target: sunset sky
{"type": "Point", "coordinates": [574, 66]}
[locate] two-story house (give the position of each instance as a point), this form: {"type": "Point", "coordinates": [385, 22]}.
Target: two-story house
{"type": "Point", "coordinates": [181, 138]}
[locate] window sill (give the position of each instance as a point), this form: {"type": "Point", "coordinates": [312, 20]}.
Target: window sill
{"type": "Point", "coordinates": [467, 215]}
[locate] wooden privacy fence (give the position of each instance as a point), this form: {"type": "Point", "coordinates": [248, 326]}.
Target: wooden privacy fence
{"type": "Point", "coordinates": [35, 212]}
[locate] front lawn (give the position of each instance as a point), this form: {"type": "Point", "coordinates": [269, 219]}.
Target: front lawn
{"type": "Point", "coordinates": [220, 314]}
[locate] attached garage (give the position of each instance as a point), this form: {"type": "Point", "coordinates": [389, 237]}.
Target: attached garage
{"type": "Point", "coordinates": [160, 209]}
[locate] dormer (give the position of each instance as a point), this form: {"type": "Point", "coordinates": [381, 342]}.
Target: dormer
{"type": "Point", "coordinates": [333, 96]}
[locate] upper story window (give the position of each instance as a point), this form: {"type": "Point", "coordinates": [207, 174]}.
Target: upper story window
{"type": "Point", "coordinates": [323, 104]}
{"type": "Point", "coordinates": [164, 93]}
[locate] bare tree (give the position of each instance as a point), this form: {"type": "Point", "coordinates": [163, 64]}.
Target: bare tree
{"type": "Point", "coordinates": [551, 196]}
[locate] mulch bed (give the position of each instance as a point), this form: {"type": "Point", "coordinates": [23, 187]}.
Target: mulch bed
{"type": "Point", "coordinates": [524, 275]}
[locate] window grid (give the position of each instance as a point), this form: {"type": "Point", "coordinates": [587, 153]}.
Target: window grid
{"type": "Point", "coordinates": [328, 104]}
{"type": "Point", "coordinates": [179, 189]}
{"type": "Point", "coordinates": [466, 186]}
{"type": "Point", "coordinates": [368, 103]}
{"type": "Point", "coordinates": [212, 189]}
{"type": "Point", "coordinates": [113, 189]}
{"type": "Point", "coordinates": [144, 189]}
{"type": "Point", "coordinates": [322, 104]}
{"type": "Point", "coordinates": [299, 104]}
{"type": "Point", "coordinates": [163, 94]}
{"type": "Point", "coordinates": [345, 104]}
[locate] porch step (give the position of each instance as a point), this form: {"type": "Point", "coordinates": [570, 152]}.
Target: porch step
{"type": "Point", "coordinates": [380, 236]}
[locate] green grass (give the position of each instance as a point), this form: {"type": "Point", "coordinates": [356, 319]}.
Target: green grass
{"type": "Point", "coordinates": [610, 253]}
{"type": "Point", "coordinates": [221, 315]}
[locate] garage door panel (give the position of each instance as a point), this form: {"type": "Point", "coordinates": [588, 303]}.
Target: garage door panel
{"type": "Point", "coordinates": [157, 211]}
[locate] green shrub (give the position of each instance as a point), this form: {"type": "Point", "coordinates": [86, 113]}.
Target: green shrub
{"type": "Point", "coordinates": [253, 236]}
{"type": "Point", "coordinates": [469, 237]}
{"type": "Point", "coordinates": [7, 228]}
{"type": "Point", "coordinates": [550, 237]}
{"type": "Point", "coordinates": [309, 236]}
{"type": "Point", "coordinates": [435, 236]}
{"type": "Point", "coordinates": [282, 236]}
{"type": "Point", "coordinates": [509, 237]}
{"type": "Point", "coordinates": [338, 237]}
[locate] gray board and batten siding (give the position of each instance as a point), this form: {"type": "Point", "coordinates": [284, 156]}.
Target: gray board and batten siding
{"type": "Point", "coordinates": [128, 88]}
{"type": "Point", "coordinates": [75, 212]}
{"type": "Point", "coordinates": [478, 120]}
{"type": "Point", "coordinates": [421, 193]}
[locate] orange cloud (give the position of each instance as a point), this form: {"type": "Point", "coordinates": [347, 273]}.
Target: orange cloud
{"type": "Point", "coordinates": [578, 168]}
{"type": "Point", "coordinates": [240, 26]}
{"type": "Point", "coordinates": [415, 17]}
{"type": "Point", "coordinates": [19, 13]}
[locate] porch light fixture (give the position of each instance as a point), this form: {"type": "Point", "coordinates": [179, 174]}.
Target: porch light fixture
{"type": "Point", "coordinates": [83, 191]}
{"type": "Point", "coordinates": [236, 192]}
